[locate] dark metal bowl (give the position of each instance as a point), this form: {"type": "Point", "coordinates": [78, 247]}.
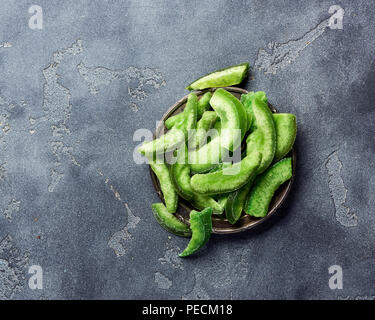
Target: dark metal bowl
{"type": "Point", "coordinates": [221, 225]}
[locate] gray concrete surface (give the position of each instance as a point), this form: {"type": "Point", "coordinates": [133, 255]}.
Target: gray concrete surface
{"type": "Point", "coordinates": [74, 202]}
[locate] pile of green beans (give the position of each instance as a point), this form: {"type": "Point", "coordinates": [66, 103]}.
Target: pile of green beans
{"type": "Point", "coordinates": [200, 173]}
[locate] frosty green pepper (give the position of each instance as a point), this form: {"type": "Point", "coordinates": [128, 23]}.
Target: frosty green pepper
{"type": "Point", "coordinates": [286, 131]}
{"type": "Point", "coordinates": [203, 125]}
{"type": "Point", "coordinates": [263, 138]}
{"type": "Point", "coordinates": [227, 179]}
{"type": "Point", "coordinates": [236, 201]}
{"type": "Point", "coordinates": [203, 105]}
{"type": "Point", "coordinates": [177, 135]}
{"type": "Point", "coordinates": [201, 228]}
{"type": "Point", "coordinates": [180, 175]}
{"type": "Point", "coordinates": [169, 222]}
{"type": "Point", "coordinates": [166, 185]}
{"type": "Point", "coordinates": [265, 186]}
{"type": "Point", "coordinates": [246, 100]}
{"type": "Point", "coordinates": [221, 78]}
{"type": "Point", "coordinates": [232, 116]}
{"type": "Point", "coordinates": [233, 123]}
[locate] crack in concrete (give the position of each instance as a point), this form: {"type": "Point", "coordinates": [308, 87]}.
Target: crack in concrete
{"type": "Point", "coordinates": [96, 77]}
{"type": "Point", "coordinates": [121, 239]}
{"type": "Point", "coordinates": [57, 110]}
{"type": "Point", "coordinates": [5, 44]}
{"type": "Point", "coordinates": [338, 192]}
{"type": "Point", "coordinates": [280, 55]}
{"type": "Point", "coordinates": [12, 268]}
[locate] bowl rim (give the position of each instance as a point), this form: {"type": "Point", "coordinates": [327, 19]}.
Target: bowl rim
{"type": "Point", "coordinates": [183, 203]}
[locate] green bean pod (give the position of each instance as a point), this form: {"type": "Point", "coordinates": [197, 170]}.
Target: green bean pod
{"type": "Point", "coordinates": [180, 175]}
{"type": "Point", "coordinates": [227, 179]}
{"type": "Point", "coordinates": [207, 156]}
{"type": "Point", "coordinates": [247, 100]}
{"type": "Point", "coordinates": [266, 185]}
{"type": "Point", "coordinates": [166, 185]}
{"type": "Point", "coordinates": [201, 228]}
{"type": "Point", "coordinates": [203, 125]}
{"type": "Point", "coordinates": [169, 222]}
{"type": "Point", "coordinates": [232, 116]}
{"type": "Point", "coordinates": [222, 199]}
{"type": "Point", "coordinates": [177, 135]}
{"type": "Point", "coordinates": [233, 123]}
{"type": "Point", "coordinates": [286, 131]}
{"type": "Point", "coordinates": [263, 139]}
{"type": "Point", "coordinates": [203, 105]}
{"type": "Point", "coordinates": [226, 77]}
{"type": "Point", "coordinates": [236, 201]}
{"type": "Point", "coordinates": [202, 201]}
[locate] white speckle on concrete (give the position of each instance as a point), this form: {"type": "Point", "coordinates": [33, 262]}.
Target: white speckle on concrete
{"type": "Point", "coordinates": [198, 292]}
{"type": "Point", "coordinates": [280, 55]}
{"type": "Point", "coordinates": [97, 77]}
{"type": "Point", "coordinates": [162, 281]}
{"type": "Point", "coordinates": [5, 44]}
{"type": "Point", "coordinates": [121, 240]}
{"type": "Point", "coordinates": [338, 192]}
{"type": "Point", "coordinates": [12, 268]}
{"type": "Point", "coordinates": [12, 207]}
{"type": "Point", "coordinates": [171, 258]}
{"type": "Point", "coordinates": [57, 110]}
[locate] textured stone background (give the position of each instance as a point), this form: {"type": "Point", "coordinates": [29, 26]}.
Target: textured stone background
{"type": "Point", "coordinates": [72, 95]}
